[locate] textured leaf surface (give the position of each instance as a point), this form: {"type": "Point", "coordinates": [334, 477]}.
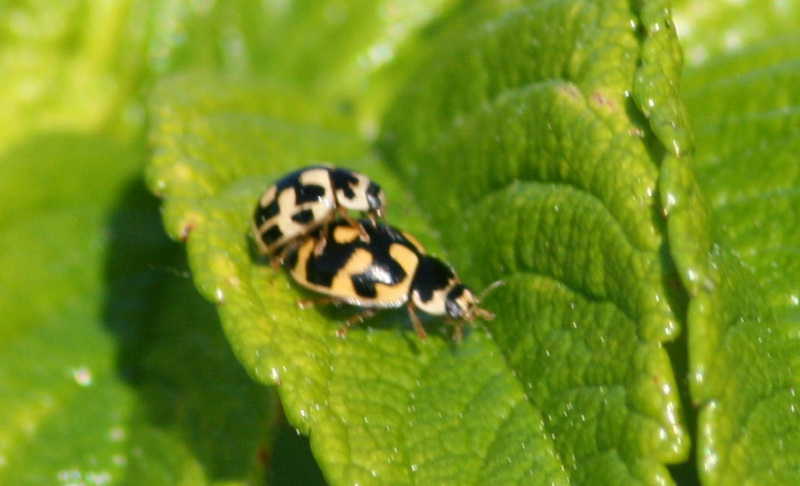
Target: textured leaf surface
{"type": "Point", "coordinates": [540, 142]}
{"type": "Point", "coordinates": [744, 322]}
{"type": "Point", "coordinates": [534, 167]}
{"type": "Point", "coordinates": [556, 188]}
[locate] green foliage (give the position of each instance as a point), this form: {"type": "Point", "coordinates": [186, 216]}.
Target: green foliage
{"type": "Point", "coordinates": [647, 330]}
{"type": "Point", "coordinates": [95, 380]}
{"type": "Point", "coordinates": [743, 325]}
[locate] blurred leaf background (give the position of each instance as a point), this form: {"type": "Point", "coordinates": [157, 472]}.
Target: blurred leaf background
{"type": "Point", "coordinates": [114, 369]}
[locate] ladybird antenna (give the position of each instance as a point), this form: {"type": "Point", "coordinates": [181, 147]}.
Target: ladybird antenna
{"type": "Point", "coordinates": [492, 286]}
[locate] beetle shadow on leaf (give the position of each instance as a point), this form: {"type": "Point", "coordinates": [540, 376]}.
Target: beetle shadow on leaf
{"type": "Point", "coordinates": [395, 322]}
{"type": "Point", "coordinates": [172, 351]}
{"type": "Point", "coordinates": [385, 320]}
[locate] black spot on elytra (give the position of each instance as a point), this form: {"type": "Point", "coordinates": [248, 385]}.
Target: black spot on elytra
{"type": "Point", "coordinates": [308, 193]}
{"type": "Point", "coordinates": [265, 213]}
{"type": "Point", "coordinates": [384, 270]}
{"type": "Point", "coordinates": [345, 181]}
{"type": "Point", "coordinates": [272, 235]}
{"type": "Point", "coordinates": [303, 193]}
{"type": "Point", "coordinates": [322, 269]}
{"type": "Point", "coordinates": [303, 217]}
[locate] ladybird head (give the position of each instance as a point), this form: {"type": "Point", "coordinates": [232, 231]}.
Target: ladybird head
{"type": "Point", "coordinates": [463, 305]}
{"type": "Point", "coordinates": [376, 199]}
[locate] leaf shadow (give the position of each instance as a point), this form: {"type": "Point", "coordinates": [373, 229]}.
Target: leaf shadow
{"type": "Point", "coordinates": [172, 351]}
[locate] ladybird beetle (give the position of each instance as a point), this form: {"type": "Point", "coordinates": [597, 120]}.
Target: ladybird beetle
{"type": "Point", "coordinates": [308, 198]}
{"type": "Point", "coordinates": [388, 270]}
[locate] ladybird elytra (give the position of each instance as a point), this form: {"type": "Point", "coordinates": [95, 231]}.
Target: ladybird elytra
{"type": "Point", "coordinates": [373, 274]}
{"type": "Point", "coordinates": [388, 270]}
{"type": "Point", "coordinates": [306, 199]}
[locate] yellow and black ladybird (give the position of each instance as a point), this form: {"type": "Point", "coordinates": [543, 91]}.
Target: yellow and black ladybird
{"type": "Point", "coordinates": [308, 198]}
{"type": "Point", "coordinates": [388, 270]}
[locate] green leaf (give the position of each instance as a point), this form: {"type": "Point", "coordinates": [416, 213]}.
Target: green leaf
{"type": "Point", "coordinates": [711, 30]}
{"type": "Point", "coordinates": [99, 329]}
{"type": "Point", "coordinates": [544, 143]}
{"type": "Point", "coordinates": [517, 147]}
{"type": "Point", "coordinates": [63, 407]}
{"type": "Point", "coordinates": [100, 320]}
{"type": "Point", "coordinates": [339, 51]}
{"type": "Point", "coordinates": [70, 66]}
{"type": "Point", "coordinates": [743, 322]}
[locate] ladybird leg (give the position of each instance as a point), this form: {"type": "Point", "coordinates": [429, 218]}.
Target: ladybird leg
{"type": "Point", "coordinates": [415, 322]}
{"type": "Point", "coordinates": [322, 240]}
{"type": "Point", "coordinates": [276, 261]}
{"type": "Point", "coordinates": [305, 304]}
{"type": "Point", "coordinates": [458, 334]}
{"type": "Point", "coordinates": [362, 233]}
{"type": "Point", "coordinates": [373, 218]}
{"type": "Point", "coordinates": [358, 318]}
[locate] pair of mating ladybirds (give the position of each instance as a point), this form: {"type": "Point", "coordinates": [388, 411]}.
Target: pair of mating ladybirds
{"type": "Point", "coordinates": [302, 222]}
